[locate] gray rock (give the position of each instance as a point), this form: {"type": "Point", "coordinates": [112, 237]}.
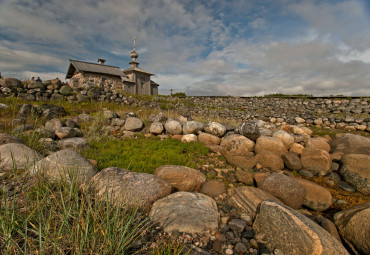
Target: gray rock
{"type": "Point", "coordinates": [85, 117]}
{"type": "Point", "coordinates": [351, 144]}
{"type": "Point", "coordinates": [160, 117]}
{"type": "Point", "coordinates": [192, 127]}
{"type": "Point", "coordinates": [3, 106]}
{"type": "Point", "coordinates": [189, 138]}
{"type": "Point", "coordinates": [75, 143]}
{"type": "Point", "coordinates": [23, 128]}
{"type": "Point", "coordinates": [134, 124]}
{"type": "Point", "coordinates": [301, 235]}
{"type": "Point", "coordinates": [173, 127]}
{"type": "Point", "coordinates": [50, 111]}
{"type": "Point", "coordinates": [215, 128]}
{"type": "Point", "coordinates": [237, 225]}
{"type": "Point", "coordinates": [17, 155]}
{"type": "Point", "coordinates": [118, 122]}
{"type": "Point", "coordinates": [181, 178]}
{"type": "Point", "coordinates": [66, 90]}
{"type": "Point", "coordinates": [355, 171]}
{"type": "Point", "coordinates": [108, 114]}
{"type": "Point", "coordinates": [53, 125]}
{"type": "Point", "coordinates": [345, 186]}
{"type": "Point", "coordinates": [64, 165]}
{"type": "Point", "coordinates": [292, 161]}
{"type": "Point", "coordinates": [124, 187]}
{"type": "Point", "coordinates": [10, 83]}
{"type": "Point", "coordinates": [249, 129]}
{"type": "Point", "coordinates": [5, 138]}
{"type": "Point", "coordinates": [173, 214]}
{"type": "Point", "coordinates": [353, 225]}
{"type": "Point", "coordinates": [285, 188]}
{"type": "Point", "coordinates": [65, 132]}
{"type": "Point", "coordinates": [306, 173]}
{"type": "Point", "coordinates": [156, 128]}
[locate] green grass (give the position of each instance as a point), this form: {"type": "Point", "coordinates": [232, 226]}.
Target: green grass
{"type": "Point", "coordinates": [332, 132]}
{"type": "Point", "coordinates": [144, 154]}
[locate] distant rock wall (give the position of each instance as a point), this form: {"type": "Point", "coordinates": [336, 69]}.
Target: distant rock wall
{"type": "Point", "coordinates": [349, 114]}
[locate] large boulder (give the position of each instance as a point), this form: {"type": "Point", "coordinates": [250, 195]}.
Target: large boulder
{"type": "Point", "coordinates": [173, 127]}
{"type": "Point", "coordinates": [134, 124]}
{"type": "Point", "coordinates": [354, 226]}
{"type": "Point", "coordinates": [66, 90]}
{"type": "Point", "coordinates": [156, 128]}
{"type": "Point", "coordinates": [300, 234]}
{"type": "Point", "coordinates": [17, 155]}
{"type": "Point", "coordinates": [236, 145]}
{"type": "Point", "coordinates": [270, 160]}
{"type": "Point", "coordinates": [351, 144]}
{"type": "Point", "coordinates": [355, 170]}
{"type": "Point", "coordinates": [285, 137]}
{"type": "Point", "coordinates": [5, 138]}
{"type": "Point", "coordinates": [75, 143]}
{"type": "Point", "coordinates": [186, 212]}
{"type": "Point", "coordinates": [285, 188]}
{"type": "Point", "coordinates": [316, 160]}
{"type": "Point", "coordinates": [53, 124]}
{"type": "Point", "coordinates": [192, 127]}
{"type": "Point", "coordinates": [317, 197]}
{"type": "Point", "coordinates": [181, 178]}
{"type": "Point", "coordinates": [50, 111]}
{"type": "Point", "coordinates": [124, 187]}
{"type": "Point", "coordinates": [208, 139]}
{"type": "Point", "coordinates": [65, 165]}
{"type": "Point", "coordinates": [292, 161]}
{"type": "Point", "coordinates": [213, 188]}
{"type": "Point", "coordinates": [246, 199]}
{"type": "Point", "coordinates": [249, 129]}
{"type": "Point", "coordinates": [272, 144]}
{"type": "Point", "coordinates": [215, 128]}
{"type": "Point", "coordinates": [245, 162]}
{"type": "Point", "coordinates": [10, 83]}
{"type": "Point", "coordinates": [318, 143]}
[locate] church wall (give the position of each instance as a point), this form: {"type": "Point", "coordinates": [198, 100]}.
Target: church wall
{"type": "Point", "coordinates": [143, 84]}
{"type": "Point", "coordinates": [86, 80]}
{"type": "Point", "coordinates": [154, 90]}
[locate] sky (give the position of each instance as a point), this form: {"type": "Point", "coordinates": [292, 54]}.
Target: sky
{"type": "Point", "coordinates": [200, 47]}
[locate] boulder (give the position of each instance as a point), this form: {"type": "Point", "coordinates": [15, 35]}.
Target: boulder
{"type": "Point", "coordinates": [181, 178]}
{"type": "Point", "coordinates": [173, 127]}
{"type": "Point", "coordinates": [317, 197]}
{"type": "Point", "coordinates": [316, 160]}
{"type": "Point", "coordinates": [301, 131]}
{"type": "Point", "coordinates": [244, 176]}
{"type": "Point", "coordinates": [297, 148]}
{"type": "Point", "coordinates": [124, 187]}
{"type": "Point", "coordinates": [53, 125]}
{"type": "Point", "coordinates": [292, 161]}
{"type": "Point", "coordinates": [215, 128]}
{"type": "Point", "coordinates": [173, 214]}
{"type": "Point", "coordinates": [65, 132]}
{"type": "Point", "coordinates": [351, 144]}
{"type": "Point", "coordinates": [328, 225]}
{"type": "Point", "coordinates": [272, 144]}
{"type": "Point", "coordinates": [66, 90]}
{"type": "Point", "coordinates": [192, 127]}
{"type": "Point", "coordinates": [301, 235]}
{"type": "Point", "coordinates": [270, 160]}
{"type": "Point", "coordinates": [118, 122]}
{"type": "Point", "coordinates": [236, 145]}
{"type": "Point", "coordinates": [189, 138]}
{"type": "Point", "coordinates": [108, 114]}
{"type": "Point", "coordinates": [5, 138]}
{"type": "Point", "coordinates": [213, 188]}
{"type": "Point", "coordinates": [355, 170]}
{"type": "Point", "coordinates": [17, 155]}
{"type": "Point", "coordinates": [354, 226]}
{"type": "Point", "coordinates": [28, 110]}
{"type": "Point", "coordinates": [75, 143]}
{"type": "Point", "coordinates": [249, 129]}
{"type": "Point", "coordinates": [156, 128]}
{"type": "Point", "coordinates": [10, 83]}
{"type": "Point", "coordinates": [285, 137]}
{"type": "Point", "coordinates": [65, 165]}
{"type": "Point", "coordinates": [50, 111]}
{"type": "Point", "coordinates": [208, 139]}
{"type": "Point", "coordinates": [246, 199]}
{"type": "Point", "coordinates": [318, 143]}
{"type": "Point", "coordinates": [285, 188]}
{"type": "Point", "coordinates": [160, 117]}
{"type": "Point", "coordinates": [245, 162]}
{"type": "Point", "coordinates": [133, 124]}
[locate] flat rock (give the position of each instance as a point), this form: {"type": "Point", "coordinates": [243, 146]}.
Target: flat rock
{"type": "Point", "coordinates": [5, 138]}
{"type": "Point", "coordinates": [317, 197]}
{"type": "Point", "coordinates": [192, 127]}
{"type": "Point", "coordinates": [316, 160]}
{"type": "Point", "coordinates": [351, 144]}
{"type": "Point", "coordinates": [245, 162]}
{"type": "Point", "coordinates": [133, 124]}
{"type": "Point", "coordinates": [355, 170]}
{"type": "Point", "coordinates": [75, 143]}
{"type": "Point", "coordinates": [21, 155]}
{"type": "Point", "coordinates": [124, 187]}
{"type": "Point", "coordinates": [215, 128]}
{"type": "Point", "coordinates": [208, 139]}
{"type": "Point", "coordinates": [181, 178]}
{"type": "Point", "coordinates": [285, 188]}
{"type": "Point", "coordinates": [272, 144]}
{"type": "Point", "coordinates": [246, 199]}
{"type": "Point", "coordinates": [354, 226]}
{"type": "Point", "coordinates": [64, 164]}
{"type": "Point", "coordinates": [173, 127]}
{"type": "Point", "coordinates": [186, 212]}
{"type": "Point", "coordinates": [300, 234]}
{"type": "Point", "coordinates": [213, 188]}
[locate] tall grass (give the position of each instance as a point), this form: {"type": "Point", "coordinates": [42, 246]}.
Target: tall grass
{"type": "Point", "coordinates": [61, 219]}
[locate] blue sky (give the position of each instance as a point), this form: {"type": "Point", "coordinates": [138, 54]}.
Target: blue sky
{"type": "Point", "coordinates": [204, 47]}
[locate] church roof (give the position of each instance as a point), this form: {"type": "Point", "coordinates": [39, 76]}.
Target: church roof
{"type": "Point", "coordinates": [82, 66]}
{"type": "Point", "coordinates": [137, 69]}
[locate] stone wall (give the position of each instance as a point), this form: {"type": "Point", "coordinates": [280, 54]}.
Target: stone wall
{"type": "Point", "coordinates": [89, 80]}
{"type": "Point", "coordinates": [349, 114]}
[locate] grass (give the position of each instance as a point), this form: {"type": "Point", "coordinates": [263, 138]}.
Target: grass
{"type": "Point", "coordinates": [61, 219]}
{"type": "Point", "coordinates": [333, 132]}
{"type": "Point", "coordinates": [144, 154]}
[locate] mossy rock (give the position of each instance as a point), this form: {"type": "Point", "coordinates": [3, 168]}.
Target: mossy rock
{"type": "Point", "coordinates": [66, 90]}
{"type": "Point", "coordinates": [47, 83]}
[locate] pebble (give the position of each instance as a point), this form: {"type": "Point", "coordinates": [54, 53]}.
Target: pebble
{"type": "Point", "coordinates": [345, 186]}
{"type": "Point", "coordinates": [229, 251]}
